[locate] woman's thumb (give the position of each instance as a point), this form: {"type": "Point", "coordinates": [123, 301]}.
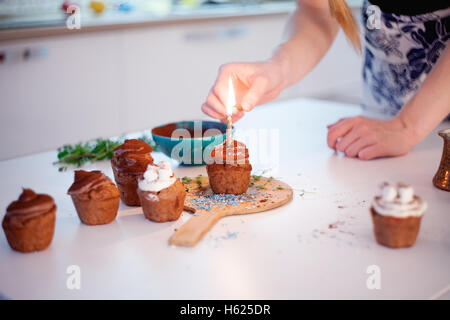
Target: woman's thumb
{"type": "Point", "coordinates": [254, 94]}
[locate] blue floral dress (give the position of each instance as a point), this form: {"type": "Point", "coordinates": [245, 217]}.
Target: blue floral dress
{"type": "Point", "coordinates": [399, 54]}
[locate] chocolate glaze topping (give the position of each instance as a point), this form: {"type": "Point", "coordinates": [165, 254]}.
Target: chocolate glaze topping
{"type": "Point", "coordinates": [237, 154]}
{"type": "Point", "coordinates": [86, 181]}
{"type": "Point", "coordinates": [133, 155]}
{"type": "Point", "coordinates": [30, 204]}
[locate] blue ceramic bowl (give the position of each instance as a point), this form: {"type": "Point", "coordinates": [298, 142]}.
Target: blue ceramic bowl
{"type": "Point", "coordinates": [189, 142]}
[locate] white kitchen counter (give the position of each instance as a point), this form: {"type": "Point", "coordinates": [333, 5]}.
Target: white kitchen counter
{"type": "Point", "coordinates": [287, 253]}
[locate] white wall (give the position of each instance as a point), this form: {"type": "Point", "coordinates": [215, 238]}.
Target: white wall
{"type": "Point", "coordinates": [112, 82]}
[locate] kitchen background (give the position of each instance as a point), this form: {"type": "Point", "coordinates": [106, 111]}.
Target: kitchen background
{"type": "Point", "coordinates": [137, 64]}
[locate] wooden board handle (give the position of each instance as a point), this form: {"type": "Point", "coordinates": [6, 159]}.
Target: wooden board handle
{"type": "Point", "coordinates": [193, 230]}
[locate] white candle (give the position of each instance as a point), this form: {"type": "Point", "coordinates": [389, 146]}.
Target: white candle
{"type": "Point", "coordinates": [231, 102]}
{"type": "Point", "coordinates": [229, 132]}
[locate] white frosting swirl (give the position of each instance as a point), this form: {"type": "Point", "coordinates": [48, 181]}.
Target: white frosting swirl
{"type": "Point", "coordinates": [399, 202]}
{"type": "Point", "coordinates": [157, 178]}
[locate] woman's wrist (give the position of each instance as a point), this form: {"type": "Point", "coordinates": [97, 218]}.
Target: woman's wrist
{"type": "Point", "coordinates": [431, 104]}
{"type": "Point", "coordinates": [409, 128]}
{"type": "Point", "coordinates": [280, 61]}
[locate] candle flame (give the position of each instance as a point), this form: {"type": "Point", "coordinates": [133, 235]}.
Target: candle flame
{"type": "Point", "coordinates": [231, 99]}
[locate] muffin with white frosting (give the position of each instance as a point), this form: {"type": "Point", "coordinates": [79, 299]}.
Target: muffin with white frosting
{"type": "Point", "coordinates": [161, 194]}
{"type": "Point", "coordinates": [396, 214]}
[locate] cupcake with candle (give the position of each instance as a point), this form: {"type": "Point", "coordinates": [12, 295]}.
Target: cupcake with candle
{"type": "Point", "coordinates": [161, 194]}
{"type": "Point", "coordinates": [29, 222]}
{"type": "Point", "coordinates": [95, 196]}
{"type": "Point", "coordinates": [229, 168]}
{"type": "Point", "coordinates": [396, 214]}
{"type": "Point", "coordinates": [129, 163]}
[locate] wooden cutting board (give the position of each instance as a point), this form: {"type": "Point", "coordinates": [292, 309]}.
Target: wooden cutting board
{"type": "Point", "coordinates": [207, 208]}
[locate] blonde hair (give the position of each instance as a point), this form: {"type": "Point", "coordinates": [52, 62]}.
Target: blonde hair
{"type": "Point", "coordinates": [340, 10]}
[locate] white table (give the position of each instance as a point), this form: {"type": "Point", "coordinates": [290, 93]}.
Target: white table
{"type": "Point", "coordinates": [286, 253]}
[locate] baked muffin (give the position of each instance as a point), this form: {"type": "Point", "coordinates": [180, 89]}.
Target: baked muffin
{"type": "Point", "coordinates": [95, 196]}
{"type": "Point", "coordinates": [396, 214]}
{"type": "Point", "coordinates": [129, 163]}
{"type": "Point", "coordinates": [29, 223]}
{"type": "Point", "coordinates": [229, 169]}
{"type": "Point", "coordinates": [161, 193]}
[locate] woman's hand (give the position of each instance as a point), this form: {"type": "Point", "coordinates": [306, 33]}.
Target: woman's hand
{"type": "Point", "coordinates": [254, 84]}
{"type": "Point", "coordinates": [367, 138]}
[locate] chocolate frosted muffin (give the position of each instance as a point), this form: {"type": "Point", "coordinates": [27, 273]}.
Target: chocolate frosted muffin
{"type": "Point", "coordinates": [129, 163]}
{"type": "Point", "coordinates": [396, 215]}
{"type": "Point", "coordinates": [29, 222]}
{"type": "Point", "coordinates": [95, 196]}
{"type": "Point", "coordinates": [229, 169]}
{"type": "Point", "coordinates": [161, 193]}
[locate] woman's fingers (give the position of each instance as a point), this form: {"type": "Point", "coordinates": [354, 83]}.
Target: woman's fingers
{"type": "Point", "coordinates": [208, 110]}
{"type": "Point", "coordinates": [339, 131]}
{"type": "Point", "coordinates": [216, 105]}
{"type": "Point", "coordinates": [226, 71]}
{"type": "Point", "coordinates": [254, 83]}
{"type": "Point", "coordinates": [237, 116]}
{"type": "Point", "coordinates": [370, 152]}
{"type": "Point", "coordinates": [348, 139]}
{"type": "Point", "coordinates": [215, 109]}
{"type": "Point", "coordinates": [362, 142]}
{"type": "Point", "coordinates": [369, 138]}
{"type": "Point", "coordinates": [254, 94]}
{"type": "Point", "coordinates": [336, 123]}
{"type": "Point", "coordinates": [214, 114]}
{"type": "Point", "coordinates": [217, 97]}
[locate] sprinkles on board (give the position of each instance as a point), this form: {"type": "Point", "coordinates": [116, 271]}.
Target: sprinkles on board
{"type": "Point", "coordinates": [208, 201]}
{"type": "Point", "coordinates": [203, 199]}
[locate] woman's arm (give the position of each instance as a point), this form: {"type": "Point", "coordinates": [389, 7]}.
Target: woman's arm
{"type": "Point", "coordinates": [309, 34]}
{"type": "Point", "coordinates": [369, 138]}
{"type": "Point", "coordinates": [431, 104]}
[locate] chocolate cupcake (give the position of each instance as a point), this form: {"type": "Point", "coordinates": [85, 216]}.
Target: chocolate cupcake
{"type": "Point", "coordinates": [396, 215]}
{"type": "Point", "coordinates": [129, 163]}
{"type": "Point", "coordinates": [161, 193]}
{"type": "Point", "coordinates": [29, 223]}
{"type": "Point", "coordinates": [95, 196]}
{"type": "Point", "coordinates": [229, 169]}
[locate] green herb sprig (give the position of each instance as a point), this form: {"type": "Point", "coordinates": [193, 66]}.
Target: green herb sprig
{"type": "Point", "coordinates": [97, 150]}
{"type": "Point", "coordinates": [186, 180]}
{"type": "Point", "coordinates": [262, 186]}
{"type": "Point", "coordinates": [199, 180]}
